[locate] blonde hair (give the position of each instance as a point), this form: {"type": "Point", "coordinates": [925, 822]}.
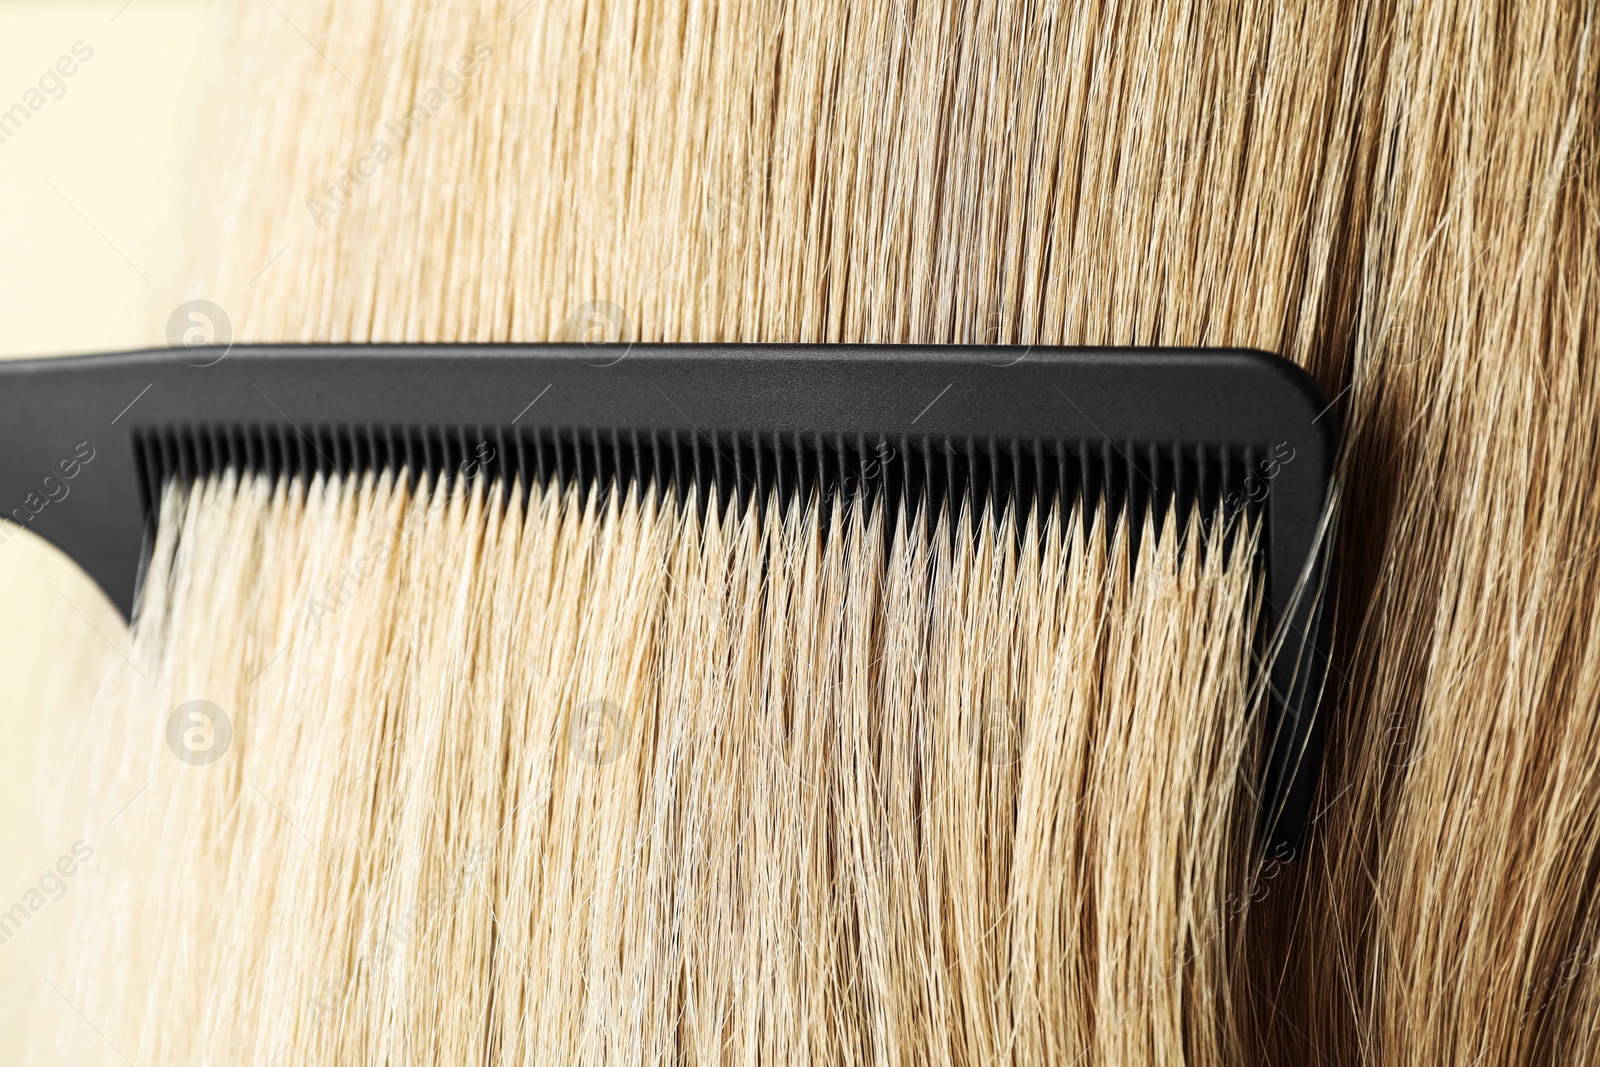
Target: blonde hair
{"type": "Point", "coordinates": [798, 852]}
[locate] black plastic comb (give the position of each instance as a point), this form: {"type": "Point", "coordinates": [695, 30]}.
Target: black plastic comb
{"type": "Point", "coordinates": [89, 441]}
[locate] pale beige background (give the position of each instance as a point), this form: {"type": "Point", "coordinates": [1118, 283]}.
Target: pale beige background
{"type": "Point", "coordinates": [85, 185]}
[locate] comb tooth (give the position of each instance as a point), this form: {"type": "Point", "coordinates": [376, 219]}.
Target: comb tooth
{"type": "Point", "coordinates": [221, 444]}
{"type": "Point", "coordinates": [1002, 489]}
{"type": "Point", "coordinates": [194, 442]}
{"type": "Point", "coordinates": [738, 476]}
{"type": "Point", "coordinates": [816, 487]}
{"type": "Point", "coordinates": [435, 461]}
{"type": "Point", "coordinates": [1017, 474]}
{"type": "Point", "coordinates": [1158, 486]}
{"type": "Point", "coordinates": [407, 450]}
{"type": "Point", "coordinates": [559, 455]}
{"type": "Point", "coordinates": [514, 446]}
{"type": "Point", "coordinates": [184, 449]}
{"type": "Point", "coordinates": [820, 488]}
{"type": "Point", "coordinates": [170, 474]}
{"type": "Point", "coordinates": [544, 452]}
{"type": "Point", "coordinates": [658, 471]}
{"type": "Point", "coordinates": [799, 491]}
{"type": "Point", "coordinates": [254, 454]}
{"type": "Point", "coordinates": [578, 469]}
{"type": "Point", "coordinates": [1024, 483]}
{"type": "Point", "coordinates": [641, 467]}
{"type": "Point", "coordinates": [590, 441]}
{"type": "Point", "coordinates": [1060, 501]}
{"type": "Point", "coordinates": [502, 455]}
{"type": "Point", "coordinates": [799, 498]}
{"type": "Point", "coordinates": [843, 477]}
{"type": "Point", "coordinates": [295, 442]}
{"type": "Point", "coordinates": [951, 490]}
{"type": "Point", "coordinates": [908, 477]}
{"type": "Point", "coordinates": [1230, 491]}
{"type": "Point", "coordinates": [622, 476]}
{"type": "Point", "coordinates": [809, 482]}
{"type": "Point", "coordinates": [972, 495]}
{"type": "Point", "coordinates": [149, 489]}
{"type": "Point", "coordinates": [205, 452]}
{"type": "Point", "coordinates": [1249, 484]}
{"type": "Point", "coordinates": [702, 496]}
{"type": "Point", "coordinates": [718, 496]}
{"type": "Point", "coordinates": [572, 448]}
{"type": "Point", "coordinates": [272, 455]}
{"type": "Point", "coordinates": [228, 457]}
{"type": "Point", "coordinates": [699, 476]}
{"type": "Point", "coordinates": [1180, 489]}
{"type": "Point", "coordinates": [766, 473]}
{"type": "Point", "coordinates": [572, 463]}
{"type": "Point", "coordinates": [675, 473]}
{"type": "Point", "coordinates": [848, 490]}
{"type": "Point", "coordinates": [337, 456]}
{"type": "Point", "coordinates": [867, 490]}
{"type": "Point", "coordinates": [311, 453]}
{"type": "Point", "coordinates": [1134, 497]}
{"type": "Point", "coordinates": [737, 496]}
{"type": "Point", "coordinates": [780, 486]}
{"type": "Point", "coordinates": [763, 484]}
{"type": "Point", "coordinates": [990, 501]}
{"type": "Point", "coordinates": [385, 453]}
{"type": "Point", "coordinates": [348, 445]}
{"type": "Point", "coordinates": [1104, 492]}
{"type": "Point", "coordinates": [748, 457]}
{"type": "Point", "coordinates": [651, 443]}
{"type": "Point", "coordinates": [1088, 499]}
{"type": "Point", "coordinates": [877, 453]}
{"type": "Point", "coordinates": [931, 503]}
{"type": "Point", "coordinates": [583, 473]}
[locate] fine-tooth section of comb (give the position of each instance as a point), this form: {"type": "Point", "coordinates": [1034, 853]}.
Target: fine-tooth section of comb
{"type": "Point", "coordinates": [87, 444]}
{"type": "Point", "coordinates": [723, 470]}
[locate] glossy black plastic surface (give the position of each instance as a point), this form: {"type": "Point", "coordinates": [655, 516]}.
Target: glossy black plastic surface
{"type": "Point", "coordinates": [85, 441]}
